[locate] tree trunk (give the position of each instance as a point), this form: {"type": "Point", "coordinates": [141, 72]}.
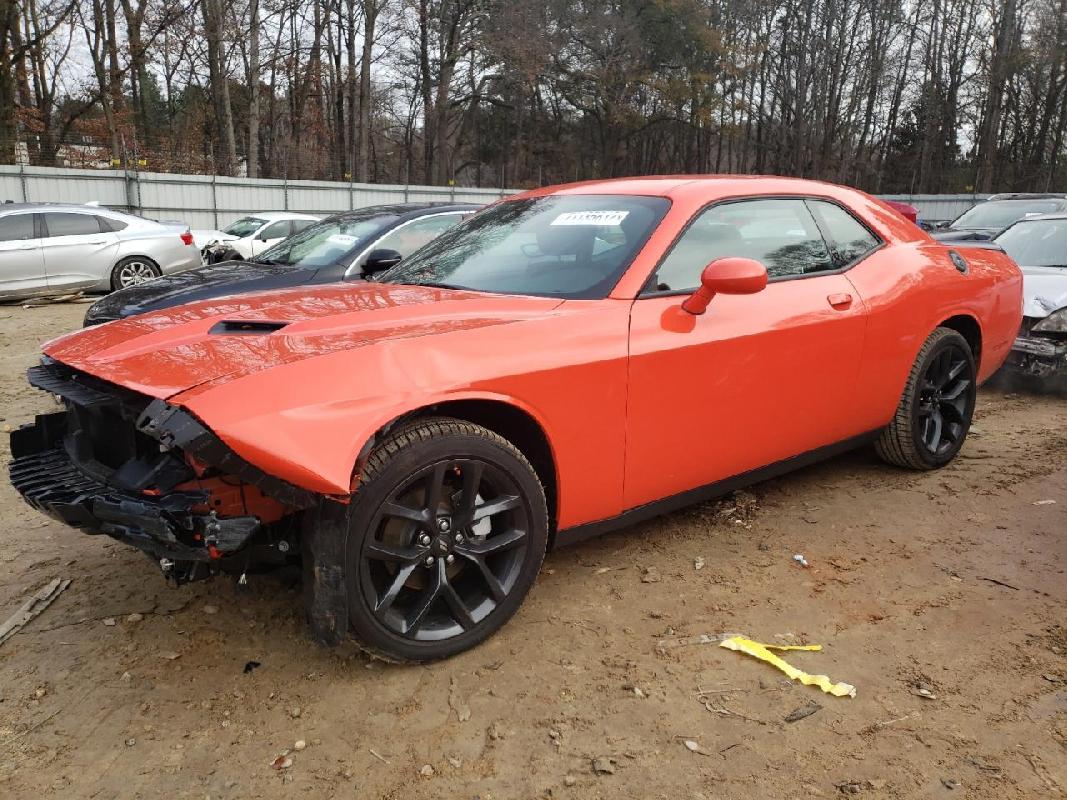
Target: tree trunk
{"type": "Point", "coordinates": [998, 73]}
{"type": "Point", "coordinates": [429, 129]}
{"type": "Point", "coordinates": [253, 90]}
{"type": "Point", "coordinates": [371, 9]}
{"type": "Point", "coordinates": [226, 158]}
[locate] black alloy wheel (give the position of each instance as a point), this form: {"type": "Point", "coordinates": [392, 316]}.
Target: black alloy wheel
{"type": "Point", "coordinates": [445, 550]}
{"type": "Point", "coordinates": [936, 407]}
{"type": "Point", "coordinates": [945, 404]}
{"type": "Point", "coordinates": [446, 534]}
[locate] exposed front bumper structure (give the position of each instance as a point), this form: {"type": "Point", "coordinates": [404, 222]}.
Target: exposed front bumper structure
{"type": "Point", "coordinates": [167, 526]}
{"type": "Point", "coordinates": [1038, 356]}
{"type": "Point", "coordinates": [118, 463]}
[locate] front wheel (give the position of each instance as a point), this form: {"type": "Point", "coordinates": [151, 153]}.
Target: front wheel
{"type": "Point", "coordinates": [445, 536]}
{"type": "Point", "coordinates": [936, 407]}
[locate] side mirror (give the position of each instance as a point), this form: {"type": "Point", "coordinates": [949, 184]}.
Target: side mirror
{"type": "Point", "coordinates": [381, 259]}
{"type": "Point", "coordinates": [726, 276]}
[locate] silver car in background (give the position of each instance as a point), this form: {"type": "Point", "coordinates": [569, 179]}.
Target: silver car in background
{"type": "Point", "coordinates": [48, 248]}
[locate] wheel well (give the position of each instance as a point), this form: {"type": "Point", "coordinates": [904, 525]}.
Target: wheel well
{"type": "Point", "coordinates": [135, 256]}
{"type": "Point", "coordinates": [517, 427]}
{"type": "Point", "coordinates": [967, 327]}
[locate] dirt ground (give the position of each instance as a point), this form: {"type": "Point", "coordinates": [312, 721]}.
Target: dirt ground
{"type": "Point", "coordinates": [948, 584]}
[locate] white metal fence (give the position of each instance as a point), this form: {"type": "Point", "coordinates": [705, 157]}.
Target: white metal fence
{"type": "Point", "coordinates": [938, 206]}
{"type": "Point", "coordinates": [206, 201]}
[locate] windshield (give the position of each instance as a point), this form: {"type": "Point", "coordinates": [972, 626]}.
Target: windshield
{"type": "Point", "coordinates": [1037, 243]}
{"type": "Point", "coordinates": [999, 214]}
{"type": "Point", "coordinates": [325, 243]}
{"type": "Point", "coordinates": [573, 246]}
{"type": "Point", "coordinates": [245, 226]}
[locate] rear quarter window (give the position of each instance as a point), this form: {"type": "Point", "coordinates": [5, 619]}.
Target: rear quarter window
{"type": "Point", "coordinates": [109, 224]}
{"type": "Point", "coordinates": [849, 239]}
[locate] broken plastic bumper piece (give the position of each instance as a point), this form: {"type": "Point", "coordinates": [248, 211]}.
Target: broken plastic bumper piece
{"type": "Point", "coordinates": [166, 526]}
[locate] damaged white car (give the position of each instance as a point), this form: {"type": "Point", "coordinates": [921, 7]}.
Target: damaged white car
{"type": "Point", "coordinates": [1039, 247]}
{"type": "Point", "coordinates": [249, 236]}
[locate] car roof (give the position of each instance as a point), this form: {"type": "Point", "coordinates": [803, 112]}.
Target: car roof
{"type": "Point", "coordinates": [1025, 196]}
{"type": "Point", "coordinates": [85, 207]}
{"type": "Point", "coordinates": [683, 185]}
{"type": "Point", "coordinates": [407, 210]}
{"type": "Point", "coordinates": [280, 215]}
{"type": "Point", "coordinates": [1049, 215]}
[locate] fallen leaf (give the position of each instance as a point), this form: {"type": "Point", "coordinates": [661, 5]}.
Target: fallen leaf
{"type": "Point", "coordinates": [604, 765]}
{"type": "Point", "coordinates": [802, 712]}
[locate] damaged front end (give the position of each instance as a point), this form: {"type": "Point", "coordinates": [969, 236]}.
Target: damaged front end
{"type": "Point", "coordinates": [1040, 349]}
{"type": "Point", "coordinates": [151, 475]}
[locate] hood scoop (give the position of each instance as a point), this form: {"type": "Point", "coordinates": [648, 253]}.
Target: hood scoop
{"type": "Point", "coordinates": [245, 327]}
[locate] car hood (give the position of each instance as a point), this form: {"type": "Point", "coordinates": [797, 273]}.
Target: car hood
{"type": "Point", "coordinates": [1044, 290]}
{"type": "Point", "coordinates": [965, 234]}
{"type": "Point", "coordinates": [164, 353]}
{"type": "Point", "coordinates": [202, 238]}
{"type": "Point", "coordinates": [217, 280]}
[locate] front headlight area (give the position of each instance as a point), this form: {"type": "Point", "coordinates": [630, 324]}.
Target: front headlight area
{"type": "Point", "coordinates": [1056, 322]}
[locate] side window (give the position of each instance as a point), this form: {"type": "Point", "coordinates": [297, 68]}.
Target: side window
{"type": "Point", "coordinates": [409, 238]}
{"type": "Point", "coordinates": [109, 224]}
{"type": "Point", "coordinates": [849, 239]}
{"type": "Point", "coordinates": [301, 224]}
{"type": "Point", "coordinates": [276, 230]}
{"type": "Point", "coordinates": [61, 224]}
{"type": "Point", "coordinates": [16, 227]}
{"type": "Point", "coordinates": [780, 234]}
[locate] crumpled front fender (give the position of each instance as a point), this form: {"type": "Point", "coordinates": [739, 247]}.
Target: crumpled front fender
{"type": "Point", "coordinates": [307, 422]}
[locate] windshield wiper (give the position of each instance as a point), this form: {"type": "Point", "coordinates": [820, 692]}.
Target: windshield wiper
{"type": "Point", "coordinates": [437, 285]}
{"type": "Point", "coordinates": [431, 284]}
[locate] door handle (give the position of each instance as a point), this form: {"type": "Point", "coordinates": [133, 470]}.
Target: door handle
{"type": "Point", "coordinates": [97, 242]}
{"type": "Point", "coordinates": [839, 301]}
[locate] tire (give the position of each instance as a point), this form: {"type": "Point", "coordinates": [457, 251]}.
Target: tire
{"type": "Point", "coordinates": [936, 407]}
{"type": "Point", "coordinates": [133, 271]}
{"type": "Point", "coordinates": [423, 579]}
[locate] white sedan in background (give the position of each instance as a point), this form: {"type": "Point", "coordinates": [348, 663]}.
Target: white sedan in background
{"type": "Point", "coordinates": [1039, 247]}
{"type": "Point", "coordinates": [249, 236]}
{"type": "Point", "coordinates": [52, 249]}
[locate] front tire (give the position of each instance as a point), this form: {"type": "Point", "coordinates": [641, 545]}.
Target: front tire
{"type": "Point", "coordinates": [445, 536]}
{"type": "Point", "coordinates": [936, 407]}
{"type": "Point", "coordinates": [133, 271]}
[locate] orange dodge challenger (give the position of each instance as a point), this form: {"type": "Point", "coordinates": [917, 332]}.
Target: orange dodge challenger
{"type": "Point", "coordinates": [568, 361]}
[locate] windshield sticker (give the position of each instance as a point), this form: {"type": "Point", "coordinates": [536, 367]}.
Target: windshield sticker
{"type": "Point", "coordinates": [591, 218]}
{"type": "Point", "coordinates": [343, 239]}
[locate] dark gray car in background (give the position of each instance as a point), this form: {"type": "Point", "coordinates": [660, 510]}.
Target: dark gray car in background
{"type": "Point", "coordinates": [346, 246]}
{"type": "Point", "coordinates": [985, 220]}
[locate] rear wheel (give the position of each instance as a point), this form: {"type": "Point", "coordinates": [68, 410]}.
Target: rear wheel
{"type": "Point", "coordinates": [936, 407]}
{"type": "Point", "coordinates": [133, 271]}
{"type": "Point", "coordinates": [445, 536]}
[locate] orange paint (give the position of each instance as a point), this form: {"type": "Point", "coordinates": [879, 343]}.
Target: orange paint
{"type": "Point", "coordinates": [639, 400]}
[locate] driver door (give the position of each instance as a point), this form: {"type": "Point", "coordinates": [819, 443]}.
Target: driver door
{"type": "Point", "coordinates": [757, 378]}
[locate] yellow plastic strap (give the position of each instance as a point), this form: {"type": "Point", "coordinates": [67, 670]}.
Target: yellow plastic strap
{"type": "Point", "coordinates": [763, 653]}
{"type": "Point", "coordinates": [790, 646]}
